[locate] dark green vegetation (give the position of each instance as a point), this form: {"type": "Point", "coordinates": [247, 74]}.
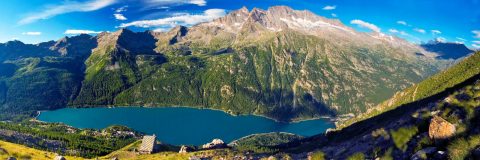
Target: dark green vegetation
{"type": "Point", "coordinates": [263, 143]}
{"type": "Point", "coordinates": [67, 140]}
{"type": "Point", "coordinates": [286, 75]}
{"type": "Point", "coordinates": [403, 132]}
{"type": "Point", "coordinates": [34, 77]}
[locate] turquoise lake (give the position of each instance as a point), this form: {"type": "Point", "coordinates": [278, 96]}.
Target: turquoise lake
{"type": "Point", "coordinates": [178, 125]}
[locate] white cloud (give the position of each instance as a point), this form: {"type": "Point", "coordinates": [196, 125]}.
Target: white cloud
{"type": "Point", "coordinates": [121, 9]}
{"type": "Point", "coordinates": [76, 31]}
{"type": "Point", "coordinates": [441, 39]}
{"type": "Point", "coordinates": [419, 30]}
{"type": "Point", "coordinates": [119, 16]}
{"type": "Point", "coordinates": [329, 7]}
{"type": "Point", "coordinates": [403, 33]}
{"type": "Point", "coordinates": [156, 3]}
{"type": "Point", "coordinates": [364, 24]}
{"type": "Point", "coordinates": [32, 33]}
{"type": "Point", "coordinates": [199, 2]}
{"type": "Point", "coordinates": [184, 19]}
{"type": "Point", "coordinates": [334, 15]}
{"type": "Point", "coordinates": [477, 33]}
{"type": "Point", "coordinates": [476, 42]}
{"type": "Point", "coordinates": [393, 31]}
{"type": "Point", "coordinates": [461, 39]}
{"type": "Point", "coordinates": [476, 46]}
{"type": "Point", "coordinates": [66, 7]}
{"type": "Point", "coordinates": [436, 32]}
{"type": "Point", "coordinates": [402, 23]}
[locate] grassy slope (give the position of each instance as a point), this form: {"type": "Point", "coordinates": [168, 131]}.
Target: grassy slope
{"type": "Point", "coordinates": [452, 76]}
{"type": "Point", "coordinates": [20, 152]}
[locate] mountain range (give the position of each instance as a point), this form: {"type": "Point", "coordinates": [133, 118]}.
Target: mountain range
{"type": "Point", "coordinates": [280, 63]}
{"type": "Point", "coordinates": [447, 50]}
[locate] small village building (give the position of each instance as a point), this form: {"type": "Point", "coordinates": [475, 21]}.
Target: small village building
{"type": "Point", "coordinates": [148, 145]}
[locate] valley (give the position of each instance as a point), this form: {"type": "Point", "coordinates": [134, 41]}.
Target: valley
{"type": "Point", "coordinates": [273, 83]}
{"type": "Point", "coordinates": [287, 74]}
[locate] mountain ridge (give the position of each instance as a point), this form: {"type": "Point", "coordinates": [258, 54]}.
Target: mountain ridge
{"type": "Point", "coordinates": [264, 62]}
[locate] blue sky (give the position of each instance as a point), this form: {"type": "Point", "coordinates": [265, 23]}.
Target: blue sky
{"type": "Point", "coordinates": [415, 20]}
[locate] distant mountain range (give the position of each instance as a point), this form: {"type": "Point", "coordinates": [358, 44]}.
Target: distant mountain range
{"type": "Point", "coordinates": [281, 63]}
{"type": "Point", "coordinates": [447, 50]}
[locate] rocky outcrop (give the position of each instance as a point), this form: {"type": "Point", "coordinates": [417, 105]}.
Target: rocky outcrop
{"type": "Point", "coordinates": [184, 149]}
{"type": "Point", "coordinates": [59, 158]}
{"type": "Point", "coordinates": [440, 128]}
{"type": "Point", "coordinates": [216, 143]}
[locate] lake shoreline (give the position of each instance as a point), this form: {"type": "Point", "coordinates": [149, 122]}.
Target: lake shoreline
{"type": "Point", "coordinates": [329, 118]}
{"type": "Point", "coordinates": [174, 125]}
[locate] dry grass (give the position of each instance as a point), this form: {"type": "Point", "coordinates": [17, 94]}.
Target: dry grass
{"type": "Point", "coordinates": [23, 152]}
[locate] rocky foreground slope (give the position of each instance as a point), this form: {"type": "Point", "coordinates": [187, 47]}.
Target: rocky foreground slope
{"type": "Point", "coordinates": [281, 63]}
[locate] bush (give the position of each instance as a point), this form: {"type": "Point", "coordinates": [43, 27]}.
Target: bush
{"type": "Point", "coordinates": [402, 136]}
{"type": "Point", "coordinates": [387, 155]}
{"type": "Point", "coordinates": [318, 155]}
{"type": "Point", "coordinates": [357, 156]}
{"type": "Point", "coordinates": [460, 148]}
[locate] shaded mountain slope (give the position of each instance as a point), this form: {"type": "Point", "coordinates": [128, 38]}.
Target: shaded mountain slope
{"type": "Point", "coordinates": [450, 77]}
{"type": "Point", "coordinates": [403, 132]}
{"type": "Point", "coordinates": [447, 50]}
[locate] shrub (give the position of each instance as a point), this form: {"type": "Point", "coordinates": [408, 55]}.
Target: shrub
{"type": "Point", "coordinates": [387, 155]}
{"type": "Point", "coordinates": [402, 136]}
{"type": "Point", "coordinates": [357, 156]}
{"type": "Point", "coordinates": [318, 155]}
{"type": "Point", "coordinates": [460, 148]}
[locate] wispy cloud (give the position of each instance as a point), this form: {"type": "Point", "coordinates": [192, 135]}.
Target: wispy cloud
{"type": "Point", "coordinates": [184, 19]}
{"type": "Point", "coordinates": [156, 3]}
{"type": "Point", "coordinates": [329, 7]}
{"type": "Point", "coordinates": [120, 16]}
{"type": "Point", "coordinates": [334, 15]}
{"type": "Point", "coordinates": [118, 13]}
{"type": "Point", "coordinates": [367, 25]}
{"type": "Point", "coordinates": [461, 39]}
{"type": "Point", "coordinates": [435, 32]}
{"type": "Point", "coordinates": [419, 30]}
{"type": "Point", "coordinates": [402, 23]}
{"type": "Point", "coordinates": [476, 46]}
{"type": "Point", "coordinates": [403, 33]}
{"type": "Point", "coordinates": [393, 31]}
{"type": "Point", "coordinates": [121, 9]}
{"type": "Point", "coordinates": [477, 33]}
{"type": "Point", "coordinates": [66, 7]}
{"type": "Point", "coordinates": [441, 39]}
{"type": "Point", "coordinates": [76, 31]}
{"type": "Point", "coordinates": [32, 33]}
